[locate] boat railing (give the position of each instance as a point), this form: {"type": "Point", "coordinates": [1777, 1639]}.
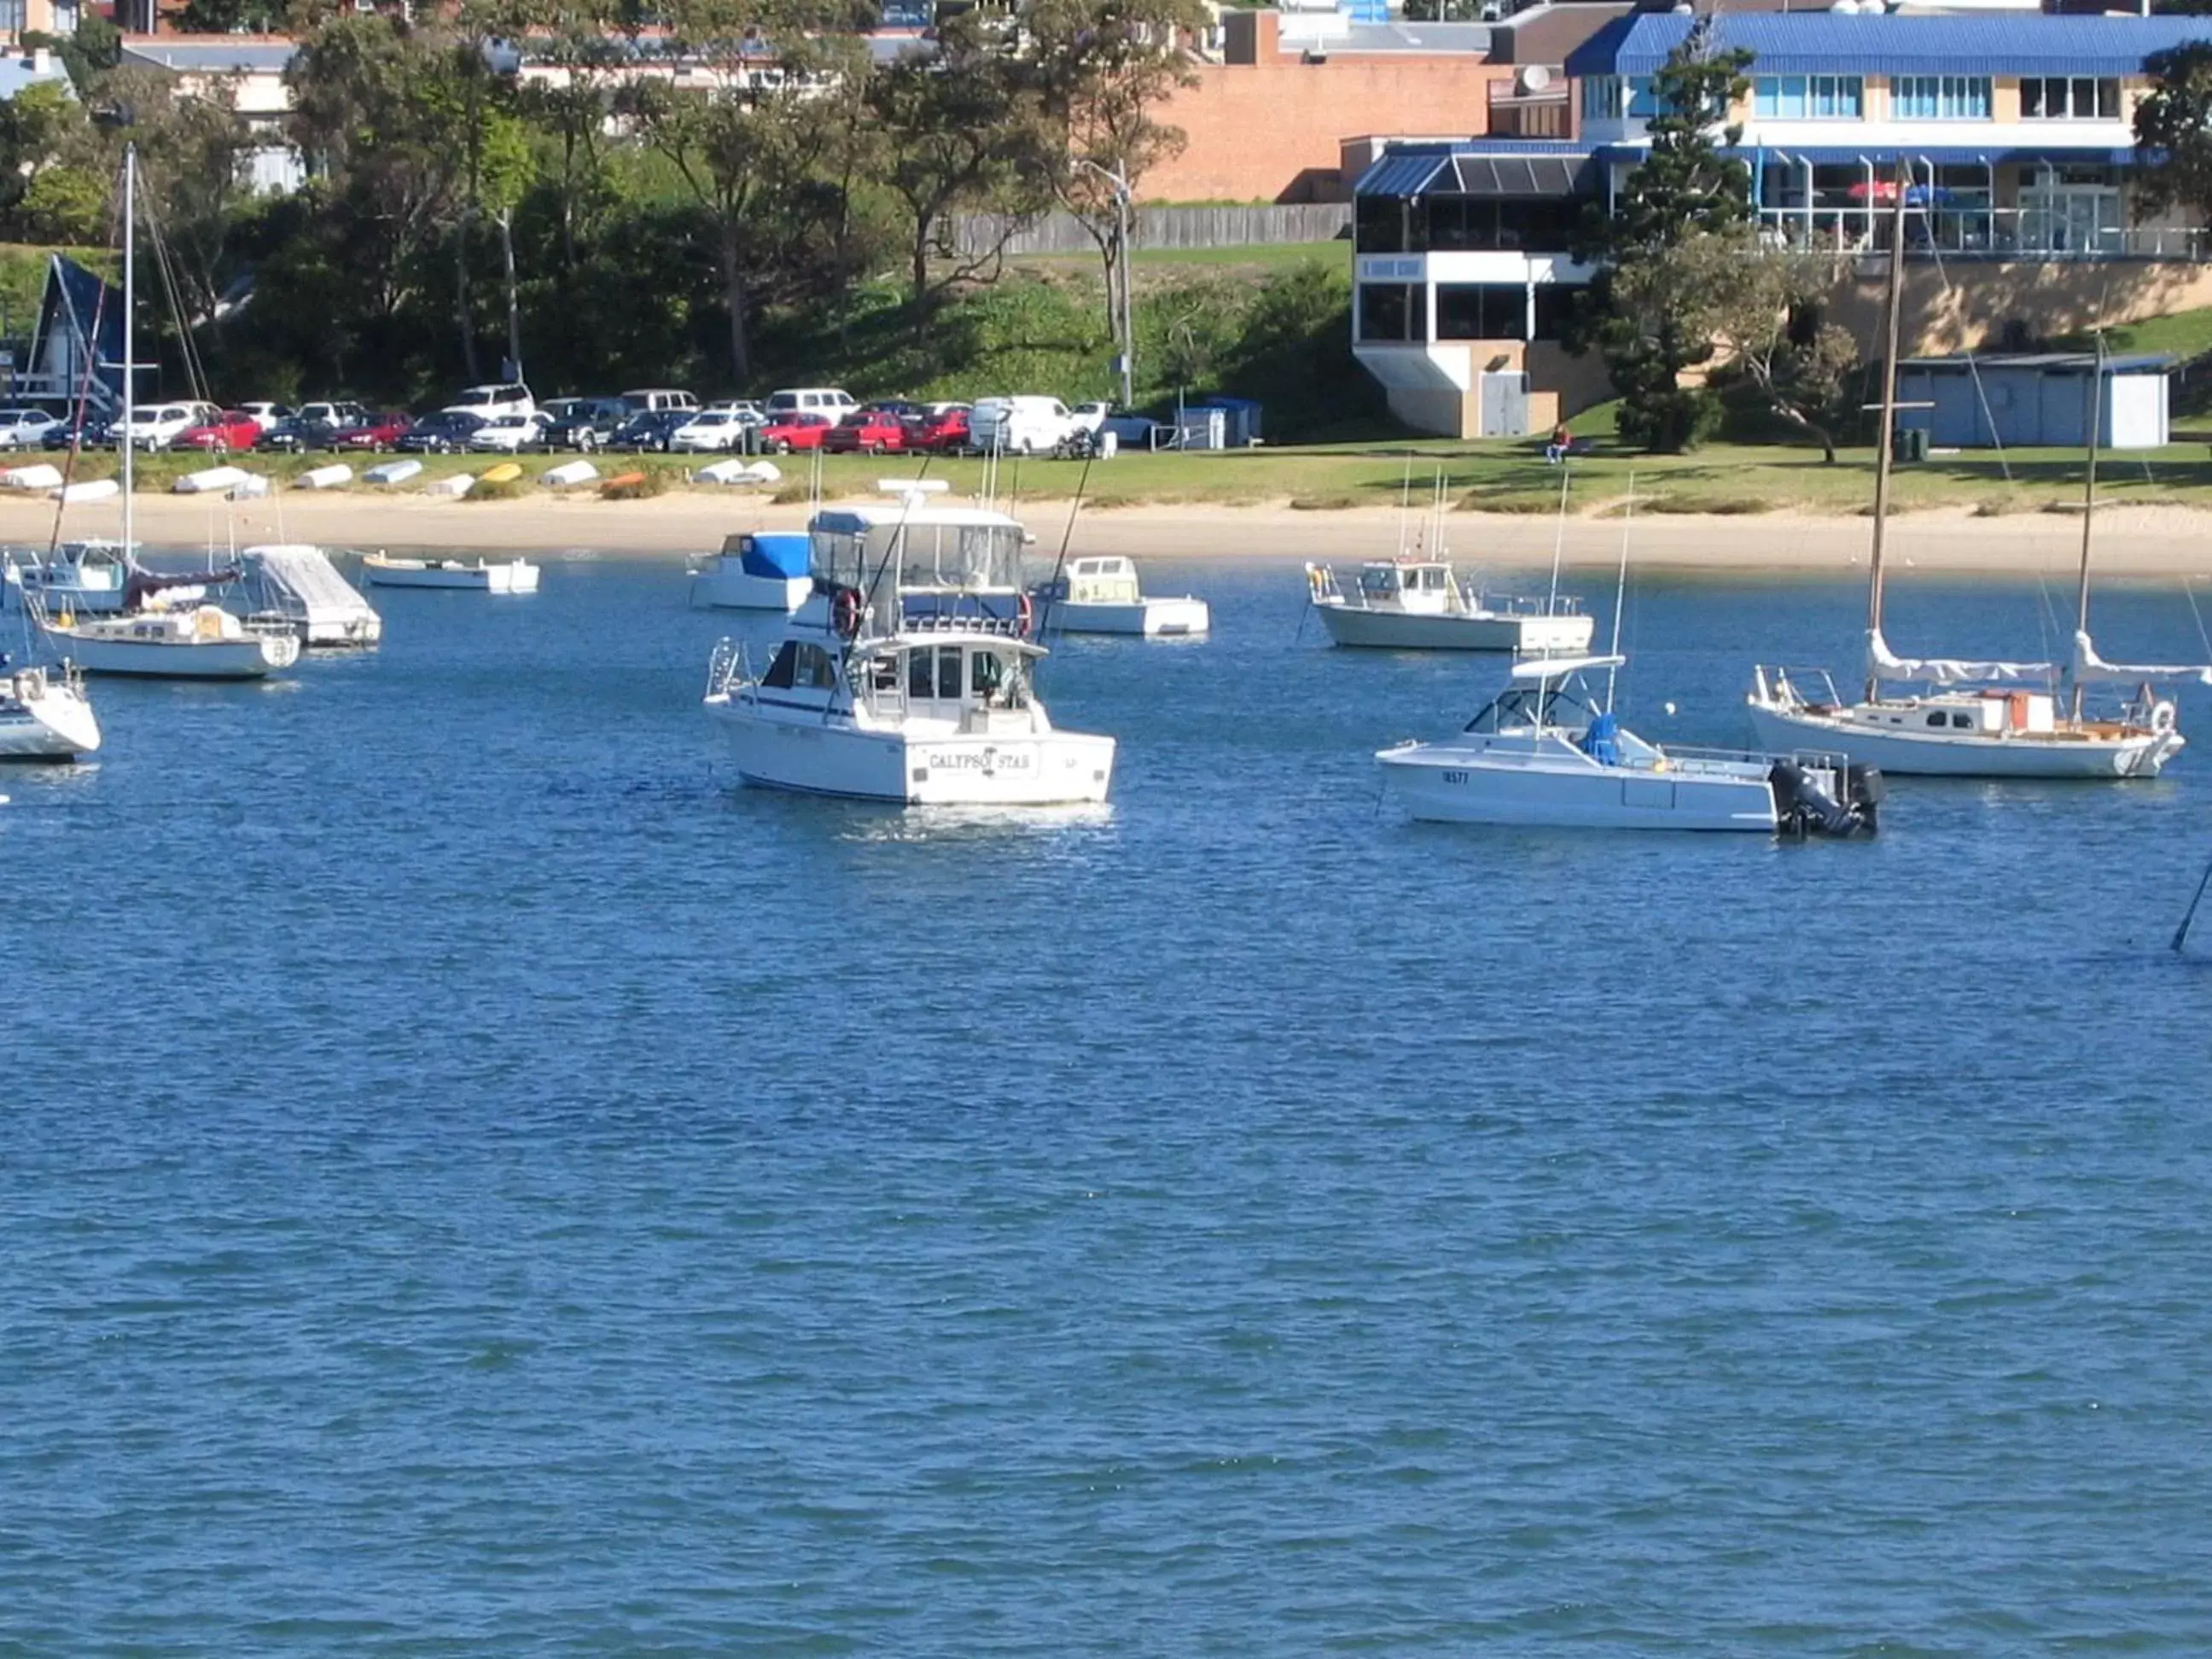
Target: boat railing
{"type": "Point", "coordinates": [1690, 758]}
{"type": "Point", "coordinates": [725, 667]}
{"type": "Point", "coordinates": [1521, 604]}
{"type": "Point", "coordinates": [1796, 679]}
{"type": "Point", "coordinates": [1006, 627]}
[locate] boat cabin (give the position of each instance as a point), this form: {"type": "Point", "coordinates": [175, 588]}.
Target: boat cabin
{"type": "Point", "coordinates": [1425, 586]}
{"type": "Point", "coordinates": [1103, 581]}
{"type": "Point", "coordinates": [1984, 713]}
{"type": "Point", "coordinates": [966, 681]}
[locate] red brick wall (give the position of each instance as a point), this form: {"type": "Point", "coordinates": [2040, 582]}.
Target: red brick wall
{"type": "Point", "coordinates": [1267, 131]}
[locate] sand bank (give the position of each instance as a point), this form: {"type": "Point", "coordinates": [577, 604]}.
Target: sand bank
{"type": "Point", "coordinates": [2140, 541]}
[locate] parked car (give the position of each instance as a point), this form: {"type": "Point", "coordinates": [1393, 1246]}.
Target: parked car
{"type": "Point", "coordinates": [785, 433]}
{"type": "Point", "coordinates": [232, 429]}
{"type": "Point", "coordinates": [656, 400]}
{"type": "Point", "coordinates": [377, 432]}
{"type": "Point", "coordinates": [810, 400]}
{"type": "Point", "coordinates": [503, 397]}
{"type": "Point", "coordinates": [584, 423]}
{"type": "Point", "coordinates": [158, 426]}
{"type": "Point", "coordinates": [649, 430]}
{"type": "Point", "coordinates": [333, 414]}
{"type": "Point", "coordinates": [941, 427]}
{"type": "Point", "coordinates": [314, 426]}
{"type": "Point", "coordinates": [1020, 425]}
{"type": "Point", "coordinates": [444, 432]}
{"type": "Point", "coordinates": [506, 435]}
{"type": "Point", "coordinates": [708, 429]}
{"type": "Point", "coordinates": [872, 430]}
{"type": "Point", "coordinates": [268, 416]}
{"type": "Point", "coordinates": [91, 432]}
{"type": "Point", "coordinates": [746, 410]}
{"type": "Point", "coordinates": [26, 429]}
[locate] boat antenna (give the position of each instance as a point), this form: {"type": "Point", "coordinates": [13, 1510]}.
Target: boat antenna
{"type": "Point", "coordinates": [1559, 540]}
{"type": "Point", "coordinates": [1893, 304]}
{"type": "Point", "coordinates": [1621, 591]}
{"type": "Point", "coordinates": [2088, 505]}
{"type": "Point", "coordinates": [1405, 501]}
{"type": "Point", "coordinates": [2181, 934]}
{"type": "Point", "coordinates": [1067, 535]}
{"type": "Point", "coordinates": [129, 342]}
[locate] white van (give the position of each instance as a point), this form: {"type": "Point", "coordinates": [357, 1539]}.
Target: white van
{"type": "Point", "coordinates": [810, 400]}
{"type": "Point", "coordinates": [157, 425]}
{"type": "Point", "coordinates": [1020, 425]}
{"type": "Point", "coordinates": [653, 399]}
{"type": "Point", "coordinates": [511, 398]}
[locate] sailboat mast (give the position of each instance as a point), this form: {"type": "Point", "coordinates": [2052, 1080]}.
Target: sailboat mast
{"type": "Point", "coordinates": [2089, 504]}
{"type": "Point", "coordinates": [129, 331]}
{"type": "Point", "coordinates": [1892, 306]}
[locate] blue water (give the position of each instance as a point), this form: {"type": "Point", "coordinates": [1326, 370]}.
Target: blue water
{"type": "Point", "coordinates": [475, 1183]}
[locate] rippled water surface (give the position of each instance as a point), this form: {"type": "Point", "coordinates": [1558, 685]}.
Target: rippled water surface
{"type": "Point", "coordinates": [474, 1181]}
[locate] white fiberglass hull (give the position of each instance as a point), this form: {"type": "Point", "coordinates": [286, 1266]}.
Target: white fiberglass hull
{"type": "Point", "coordinates": [1965, 754]}
{"type": "Point", "coordinates": [1398, 630]}
{"type": "Point", "coordinates": [1446, 783]}
{"type": "Point", "coordinates": [56, 724]}
{"type": "Point", "coordinates": [251, 658]}
{"type": "Point", "coordinates": [817, 758]}
{"type": "Point", "coordinates": [518, 577]}
{"type": "Point", "coordinates": [721, 584]}
{"type": "Point", "coordinates": [1152, 619]}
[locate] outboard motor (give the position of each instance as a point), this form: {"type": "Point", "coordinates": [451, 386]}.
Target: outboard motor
{"type": "Point", "coordinates": [1802, 808]}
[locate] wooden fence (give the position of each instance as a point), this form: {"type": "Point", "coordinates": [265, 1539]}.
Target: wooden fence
{"type": "Point", "coordinates": [1160, 226]}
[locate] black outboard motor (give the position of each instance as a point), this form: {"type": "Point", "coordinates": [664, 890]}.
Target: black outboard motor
{"type": "Point", "coordinates": [1802, 808]}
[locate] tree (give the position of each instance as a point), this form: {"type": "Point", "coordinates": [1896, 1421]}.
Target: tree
{"type": "Point", "coordinates": [2174, 145]}
{"type": "Point", "coordinates": [1650, 331]}
{"type": "Point", "coordinates": [41, 127]}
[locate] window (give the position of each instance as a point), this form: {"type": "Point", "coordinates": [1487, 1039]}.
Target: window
{"type": "Point", "coordinates": [1935, 719]}
{"type": "Point", "coordinates": [1809, 97]}
{"type": "Point", "coordinates": [1602, 98]}
{"type": "Point", "coordinates": [816, 667]}
{"type": "Point", "coordinates": [779, 671]}
{"type": "Point", "coordinates": [985, 673]}
{"type": "Point", "coordinates": [1481, 311]}
{"type": "Point", "coordinates": [1940, 98]}
{"type": "Point", "coordinates": [2068, 98]}
{"type": "Point", "coordinates": [1386, 311]}
{"type": "Point", "coordinates": [919, 682]}
{"type": "Point", "coordinates": [1379, 224]}
{"type": "Point", "coordinates": [1961, 721]}
{"type": "Point", "coordinates": [948, 672]}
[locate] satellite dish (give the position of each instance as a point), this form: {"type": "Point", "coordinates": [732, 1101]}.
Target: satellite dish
{"type": "Point", "coordinates": [1534, 78]}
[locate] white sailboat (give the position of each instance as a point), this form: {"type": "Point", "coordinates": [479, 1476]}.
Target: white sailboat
{"type": "Point", "coordinates": [44, 715]}
{"type": "Point", "coordinates": [1970, 718]}
{"type": "Point", "coordinates": [907, 674]}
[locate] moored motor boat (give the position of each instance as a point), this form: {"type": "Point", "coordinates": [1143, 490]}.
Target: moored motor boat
{"type": "Point", "coordinates": [1102, 595]}
{"type": "Point", "coordinates": [81, 577]}
{"type": "Point", "coordinates": [1546, 753]}
{"type": "Point", "coordinates": [908, 675]}
{"type": "Point", "coordinates": [1420, 605]}
{"type": "Point", "coordinates": [44, 714]}
{"type": "Point", "coordinates": [303, 590]}
{"type": "Point", "coordinates": [193, 642]}
{"type": "Point", "coordinates": [761, 570]}
{"type": "Point", "coordinates": [515, 576]}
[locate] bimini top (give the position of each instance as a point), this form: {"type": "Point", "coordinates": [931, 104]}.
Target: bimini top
{"type": "Point", "coordinates": [859, 520]}
{"type": "Point", "coordinates": [1532, 669]}
{"type": "Point", "coordinates": [775, 553]}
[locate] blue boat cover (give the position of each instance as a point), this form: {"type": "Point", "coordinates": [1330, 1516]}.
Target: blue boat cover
{"type": "Point", "coordinates": [775, 553]}
{"type": "Point", "coordinates": [1601, 742]}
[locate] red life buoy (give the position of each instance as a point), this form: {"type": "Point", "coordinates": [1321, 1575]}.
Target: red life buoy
{"type": "Point", "coordinates": [1025, 614]}
{"type": "Point", "coordinates": [845, 611]}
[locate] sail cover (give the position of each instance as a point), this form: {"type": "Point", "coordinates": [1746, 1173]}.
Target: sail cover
{"type": "Point", "coordinates": [1886, 665]}
{"type": "Point", "coordinates": [2091, 669]}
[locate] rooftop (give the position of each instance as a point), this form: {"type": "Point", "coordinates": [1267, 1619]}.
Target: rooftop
{"type": "Point", "coordinates": [1802, 43]}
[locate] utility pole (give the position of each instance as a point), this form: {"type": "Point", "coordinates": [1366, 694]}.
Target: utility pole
{"type": "Point", "coordinates": [1120, 306]}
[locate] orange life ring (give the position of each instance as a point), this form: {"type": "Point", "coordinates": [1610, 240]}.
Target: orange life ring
{"type": "Point", "coordinates": [845, 611]}
{"type": "Point", "coordinates": [1025, 614]}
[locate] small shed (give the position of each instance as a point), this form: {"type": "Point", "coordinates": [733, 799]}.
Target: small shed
{"type": "Point", "coordinates": [2036, 399]}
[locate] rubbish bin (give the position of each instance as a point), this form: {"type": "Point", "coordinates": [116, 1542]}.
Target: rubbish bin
{"type": "Point", "coordinates": [1108, 442]}
{"type": "Point", "coordinates": [1908, 443]}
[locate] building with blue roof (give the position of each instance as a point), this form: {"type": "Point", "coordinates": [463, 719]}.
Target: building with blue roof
{"type": "Point", "coordinates": [2013, 131]}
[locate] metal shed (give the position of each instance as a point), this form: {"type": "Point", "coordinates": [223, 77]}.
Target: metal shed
{"type": "Point", "coordinates": [2040, 399]}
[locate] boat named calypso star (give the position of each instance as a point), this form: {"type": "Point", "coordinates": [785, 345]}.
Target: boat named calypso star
{"type": "Point", "coordinates": [907, 674]}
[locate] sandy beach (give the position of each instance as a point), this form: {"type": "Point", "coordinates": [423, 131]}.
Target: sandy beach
{"type": "Point", "coordinates": [2130, 541]}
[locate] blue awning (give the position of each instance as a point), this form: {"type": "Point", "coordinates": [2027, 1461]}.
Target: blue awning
{"type": "Point", "coordinates": [1832, 42]}
{"type": "Point", "coordinates": [1400, 175]}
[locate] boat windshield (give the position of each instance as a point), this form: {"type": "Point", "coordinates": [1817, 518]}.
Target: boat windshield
{"type": "Point", "coordinates": [1524, 705]}
{"type": "Point", "coordinates": [922, 557]}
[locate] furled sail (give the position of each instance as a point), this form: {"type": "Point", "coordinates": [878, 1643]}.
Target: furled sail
{"type": "Point", "coordinates": [1886, 665]}
{"type": "Point", "coordinates": [2090, 669]}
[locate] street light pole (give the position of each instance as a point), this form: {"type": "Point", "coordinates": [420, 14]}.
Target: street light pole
{"type": "Point", "coordinates": [1119, 307]}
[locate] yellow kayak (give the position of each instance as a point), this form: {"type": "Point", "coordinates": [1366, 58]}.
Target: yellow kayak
{"type": "Point", "coordinates": [501, 473]}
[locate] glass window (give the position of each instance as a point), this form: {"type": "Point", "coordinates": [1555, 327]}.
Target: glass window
{"type": "Point", "coordinates": [1809, 97]}
{"type": "Point", "coordinates": [1961, 721]}
{"type": "Point", "coordinates": [1940, 98]}
{"type": "Point", "coordinates": [779, 672]}
{"type": "Point", "coordinates": [1602, 98]}
{"type": "Point", "coordinates": [1935, 719]}
{"type": "Point", "coordinates": [948, 672]}
{"type": "Point", "coordinates": [1386, 310]}
{"type": "Point", "coordinates": [985, 672]}
{"type": "Point", "coordinates": [1380, 224]}
{"type": "Point", "coordinates": [918, 680]}
{"type": "Point", "coordinates": [2070, 98]}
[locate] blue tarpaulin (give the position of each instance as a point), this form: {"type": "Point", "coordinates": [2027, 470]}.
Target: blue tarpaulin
{"type": "Point", "coordinates": [776, 554]}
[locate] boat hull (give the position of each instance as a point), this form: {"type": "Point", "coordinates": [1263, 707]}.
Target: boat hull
{"type": "Point", "coordinates": [1392, 631]}
{"type": "Point", "coordinates": [1442, 786]}
{"type": "Point", "coordinates": [252, 659]}
{"type": "Point", "coordinates": [55, 725]}
{"type": "Point", "coordinates": [725, 584]}
{"type": "Point", "coordinates": [817, 758]}
{"type": "Point", "coordinates": [1161, 618]}
{"type": "Point", "coordinates": [1963, 755]}
{"type": "Point", "coordinates": [516, 578]}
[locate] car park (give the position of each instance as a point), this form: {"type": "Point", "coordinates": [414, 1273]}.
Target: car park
{"type": "Point", "coordinates": [26, 429]}
{"type": "Point", "coordinates": [785, 433]}
{"type": "Point", "coordinates": [582, 424]}
{"type": "Point", "coordinates": [158, 426]}
{"type": "Point", "coordinates": [377, 433]}
{"type": "Point", "coordinates": [506, 435]}
{"type": "Point", "coordinates": [232, 429]}
{"type": "Point", "coordinates": [871, 431]}
{"type": "Point", "coordinates": [648, 429]}
{"type": "Point", "coordinates": [445, 433]}
{"type": "Point", "coordinates": [707, 431]}
{"type": "Point", "coordinates": [88, 431]}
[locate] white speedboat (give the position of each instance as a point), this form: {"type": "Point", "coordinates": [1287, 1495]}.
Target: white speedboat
{"type": "Point", "coordinates": [1543, 754]}
{"type": "Point", "coordinates": [44, 714]}
{"type": "Point", "coordinates": [1102, 596]}
{"type": "Point", "coordinates": [194, 642]}
{"type": "Point", "coordinates": [83, 578]}
{"type": "Point", "coordinates": [761, 570]}
{"type": "Point", "coordinates": [302, 589]}
{"type": "Point", "coordinates": [908, 675]}
{"type": "Point", "coordinates": [1419, 605]}
{"type": "Point", "coordinates": [516, 576]}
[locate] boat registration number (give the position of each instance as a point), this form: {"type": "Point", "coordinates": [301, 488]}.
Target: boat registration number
{"type": "Point", "coordinates": [1455, 777]}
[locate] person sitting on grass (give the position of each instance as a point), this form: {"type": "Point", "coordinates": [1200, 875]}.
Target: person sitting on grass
{"type": "Point", "coordinates": [1562, 444]}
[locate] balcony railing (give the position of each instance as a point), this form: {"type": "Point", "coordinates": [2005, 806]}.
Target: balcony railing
{"type": "Point", "coordinates": [2041, 233]}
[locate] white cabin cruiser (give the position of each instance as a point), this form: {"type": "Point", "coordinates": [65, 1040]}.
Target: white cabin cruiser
{"type": "Point", "coordinates": [908, 675]}
{"type": "Point", "coordinates": [1544, 755]}
{"type": "Point", "coordinates": [1419, 605]}
{"type": "Point", "coordinates": [516, 576]}
{"type": "Point", "coordinates": [190, 642]}
{"type": "Point", "coordinates": [762, 570]}
{"type": "Point", "coordinates": [303, 590]}
{"type": "Point", "coordinates": [1102, 595]}
{"type": "Point", "coordinates": [86, 577]}
{"type": "Point", "coordinates": [44, 714]}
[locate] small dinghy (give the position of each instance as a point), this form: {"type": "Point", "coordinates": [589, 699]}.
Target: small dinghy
{"type": "Point", "coordinates": [516, 576]}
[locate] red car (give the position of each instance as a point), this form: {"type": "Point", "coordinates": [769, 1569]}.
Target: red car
{"type": "Point", "coordinates": [232, 429]}
{"type": "Point", "coordinates": [788, 432]}
{"type": "Point", "coordinates": [377, 432]}
{"type": "Point", "coordinates": [872, 430]}
{"type": "Point", "coordinates": [943, 429]}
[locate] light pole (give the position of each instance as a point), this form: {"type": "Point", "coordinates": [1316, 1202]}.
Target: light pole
{"type": "Point", "coordinates": [1125, 321]}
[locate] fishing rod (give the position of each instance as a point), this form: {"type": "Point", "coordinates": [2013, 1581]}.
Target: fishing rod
{"type": "Point", "coordinates": [2181, 934]}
